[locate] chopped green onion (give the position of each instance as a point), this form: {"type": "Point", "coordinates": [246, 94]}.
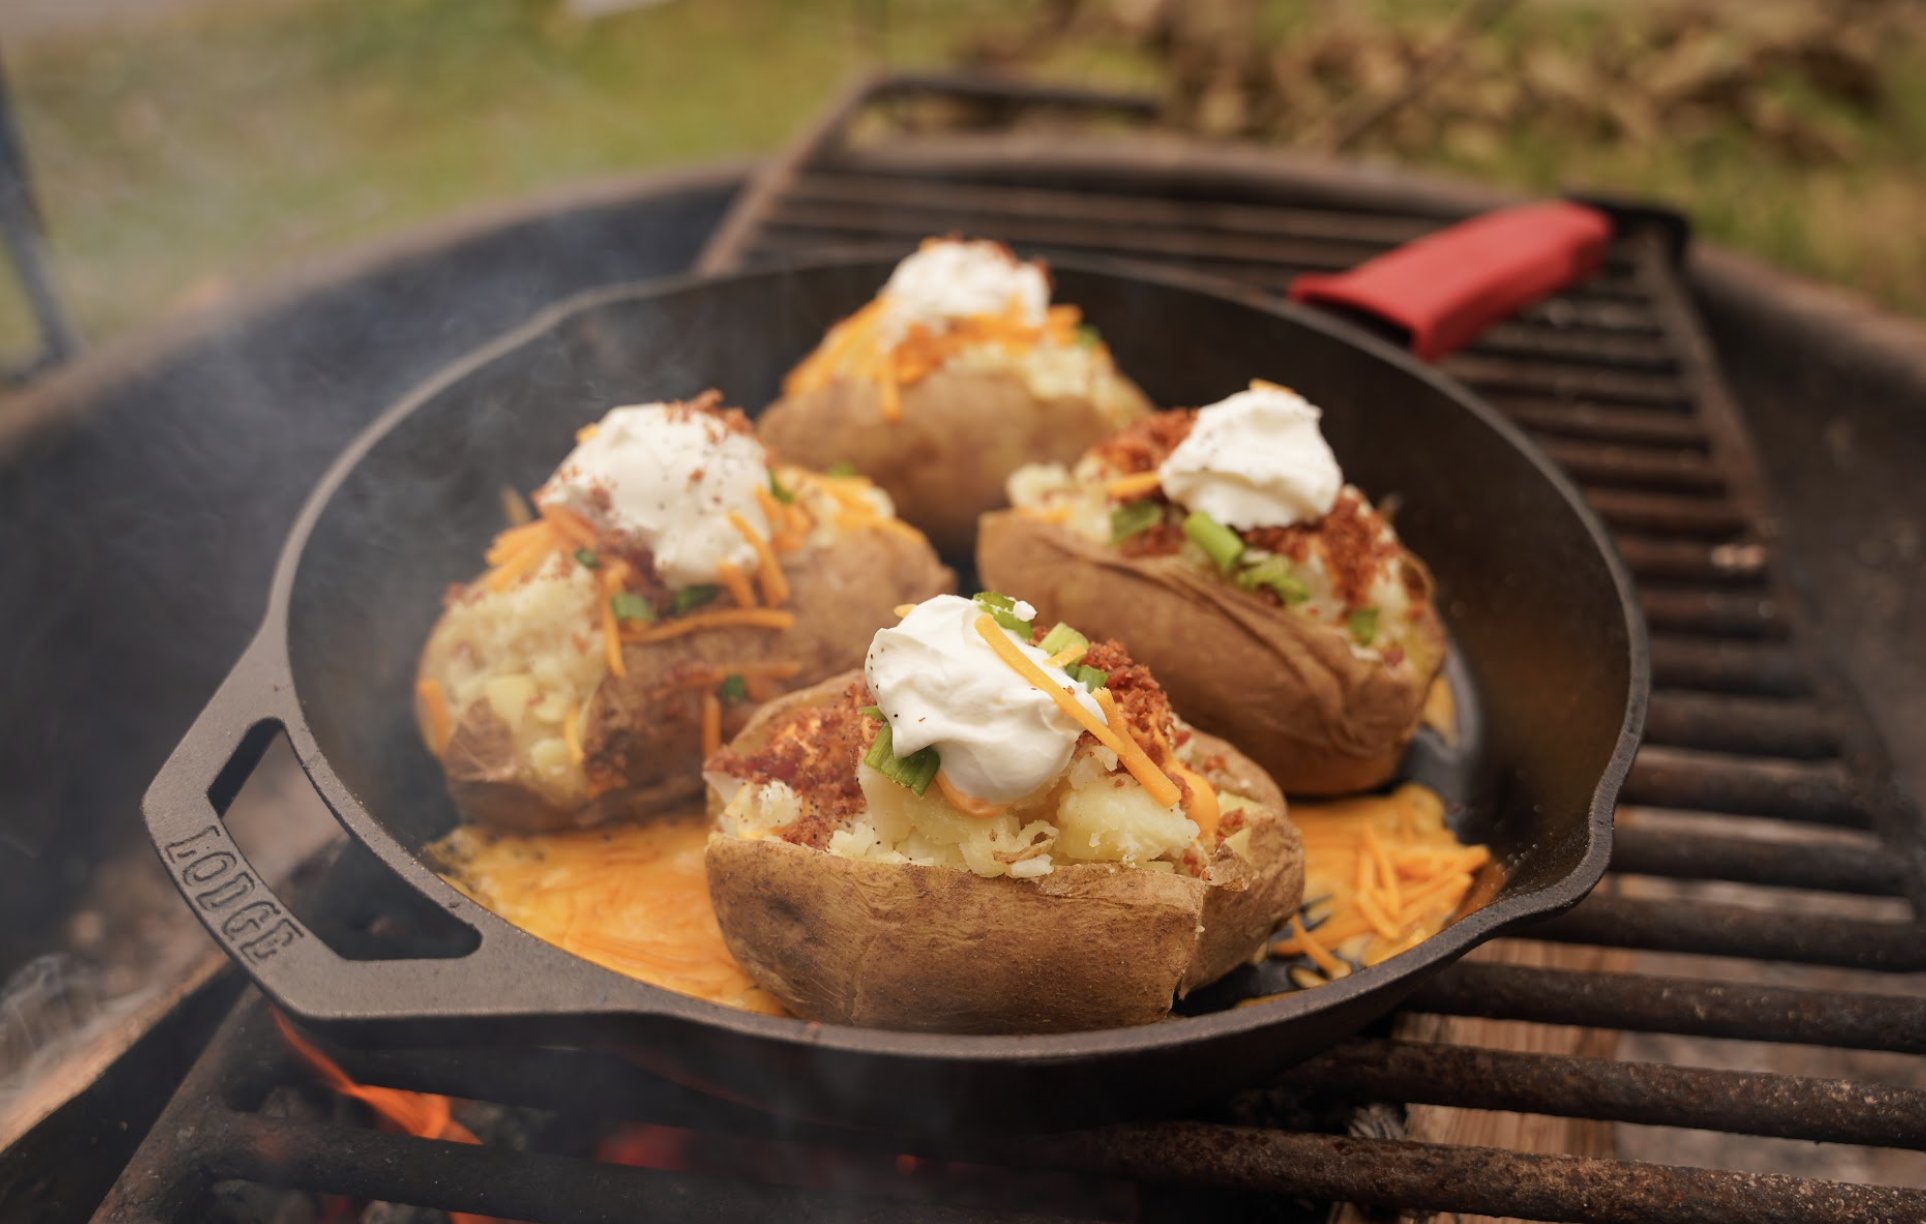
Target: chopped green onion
{"type": "Point", "coordinates": [1218, 541]}
{"type": "Point", "coordinates": [1363, 624]}
{"type": "Point", "coordinates": [1088, 336]}
{"type": "Point", "coordinates": [1133, 517]}
{"type": "Point", "coordinates": [690, 598]}
{"type": "Point", "coordinates": [1276, 574]}
{"type": "Point", "coordinates": [776, 490]}
{"type": "Point", "coordinates": [1003, 608]}
{"type": "Point", "coordinates": [841, 468]}
{"type": "Point", "coordinates": [734, 688]}
{"type": "Point", "coordinates": [1092, 678]}
{"type": "Point", "coordinates": [875, 712]}
{"type": "Point", "coordinates": [916, 771]}
{"type": "Point", "coordinates": [587, 557]}
{"type": "Point", "coordinates": [628, 606]}
{"type": "Point", "coordinates": [1061, 638]}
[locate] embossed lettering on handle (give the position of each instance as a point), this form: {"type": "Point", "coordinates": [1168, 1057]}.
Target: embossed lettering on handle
{"type": "Point", "coordinates": [205, 865]}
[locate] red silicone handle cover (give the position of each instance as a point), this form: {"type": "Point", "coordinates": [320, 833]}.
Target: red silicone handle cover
{"type": "Point", "coordinates": [1447, 287]}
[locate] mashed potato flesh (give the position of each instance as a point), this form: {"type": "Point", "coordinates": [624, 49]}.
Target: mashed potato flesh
{"type": "Point", "coordinates": [1092, 813]}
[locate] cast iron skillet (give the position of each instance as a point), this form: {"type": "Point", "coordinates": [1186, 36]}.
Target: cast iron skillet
{"type": "Point", "coordinates": [1548, 639]}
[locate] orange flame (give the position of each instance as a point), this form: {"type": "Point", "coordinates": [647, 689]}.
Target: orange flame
{"type": "Point", "coordinates": [422, 1114]}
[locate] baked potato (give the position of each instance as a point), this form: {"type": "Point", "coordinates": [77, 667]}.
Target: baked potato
{"type": "Point", "coordinates": [1304, 632]}
{"type": "Point", "coordinates": [587, 674]}
{"type": "Point", "coordinates": [1092, 899]}
{"type": "Point", "coordinates": [959, 372]}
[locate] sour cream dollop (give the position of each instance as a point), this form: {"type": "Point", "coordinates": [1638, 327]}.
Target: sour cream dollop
{"type": "Point", "coordinates": [948, 280]}
{"type": "Point", "coordinates": [1255, 460]}
{"type": "Point", "coordinates": [939, 683]}
{"type": "Point", "coordinates": [667, 476]}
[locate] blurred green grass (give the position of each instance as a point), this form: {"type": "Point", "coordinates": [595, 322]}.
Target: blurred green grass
{"type": "Point", "coordinates": [195, 154]}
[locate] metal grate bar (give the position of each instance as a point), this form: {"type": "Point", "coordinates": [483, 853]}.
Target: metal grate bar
{"type": "Point", "coordinates": [1745, 786]}
{"type": "Point", "coordinates": [1679, 855]}
{"type": "Point", "coordinates": [1439, 1177]}
{"type": "Point", "coordinates": [1748, 725]}
{"type": "Point", "coordinates": [1572, 382]}
{"type": "Point", "coordinates": [1635, 467]}
{"type": "Point", "coordinates": [1646, 1094]}
{"type": "Point", "coordinates": [1577, 342]}
{"type": "Point", "coordinates": [1601, 423]}
{"type": "Point", "coordinates": [1713, 517]}
{"type": "Point", "coordinates": [1708, 929]}
{"type": "Point", "coordinates": [1721, 665]}
{"type": "Point", "coordinates": [1642, 1004]}
{"type": "Point", "coordinates": [1692, 560]}
{"type": "Point", "coordinates": [1712, 610]}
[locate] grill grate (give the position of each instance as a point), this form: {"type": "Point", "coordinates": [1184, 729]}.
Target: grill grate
{"type": "Point", "coordinates": [1758, 773]}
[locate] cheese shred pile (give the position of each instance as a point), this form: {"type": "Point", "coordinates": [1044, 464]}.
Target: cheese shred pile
{"type": "Point", "coordinates": [1382, 875]}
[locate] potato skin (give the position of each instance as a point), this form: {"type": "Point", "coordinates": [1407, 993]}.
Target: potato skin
{"type": "Point", "coordinates": [1289, 692]}
{"type": "Point", "coordinates": [961, 434]}
{"type": "Point", "coordinates": [937, 949]}
{"type": "Point", "coordinates": [642, 740]}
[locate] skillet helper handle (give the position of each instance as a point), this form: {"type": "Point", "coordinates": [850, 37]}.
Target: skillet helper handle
{"type": "Point", "coordinates": [1444, 289]}
{"type": "Point", "coordinates": [185, 809]}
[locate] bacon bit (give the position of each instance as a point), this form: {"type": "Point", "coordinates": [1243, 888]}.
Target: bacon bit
{"type": "Point", "coordinates": [726, 618]}
{"type": "Point", "coordinates": [1145, 443]}
{"type": "Point", "coordinates": [711, 724]}
{"type": "Point", "coordinates": [435, 700]}
{"type": "Point", "coordinates": [775, 587]}
{"type": "Point", "coordinates": [1134, 758]}
{"type": "Point", "coordinates": [1134, 486]}
{"type": "Point", "coordinates": [967, 803]}
{"type": "Point", "coordinates": [739, 589]}
{"type": "Point", "coordinates": [572, 734]}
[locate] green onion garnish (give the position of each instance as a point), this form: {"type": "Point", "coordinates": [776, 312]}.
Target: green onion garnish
{"type": "Point", "coordinates": [1088, 336]}
{"type": "Point", "coordinates": [1061, 638]}
{"type": "Point", "coordinates": [841, 468]}
{"type": "Point", "coordinates": [1004, 609]}
{"type": "Point", "coordinates": [734, 688]}
{"type": "Point", "coordinates": [1276, 574]}
{"type": "Point", "coordinates": [689, 598]}
{"type": "Point", "coordinates": [916, 771]}
{"type": "Point", "coordinates": [587, 557]}
{"type": "Point", "coordinates": [1092, 678]}
{"type": "Point", "coordinates": [628, 606]}
{"type": "Point", "coordinates": [1132, 518]}
{"type": "Point", "coordinates": [1363, 624]}
{"type": "Point", "coordinates": [1218, 541]}
{"type": "Point", "coordinates": [776, 490]}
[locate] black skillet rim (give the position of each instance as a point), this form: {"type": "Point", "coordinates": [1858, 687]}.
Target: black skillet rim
{"type": "Point", "coordinates": [655, 1002]}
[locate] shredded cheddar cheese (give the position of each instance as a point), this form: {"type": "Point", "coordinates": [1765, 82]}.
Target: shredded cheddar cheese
{"type": "Point", "coordinates": [1383, 873]}
{"type": "Point", "coordinates": [711, 723]}
{"type": "Point", "coordinates": [965, 802]}
{"type": "Point", "coordinates": [434, 699]}
{"type": "Point", "coordinates": [737, 584]}
{"type": "Point", "coordinates": [614, 578]}
{"type": "Point", "coordinates": [572, 734]}
{"type": "Point", "coordinates": [1109, 733]}
{"type": "Point", "coordinates": [775, 587]}
{"type": "Point", "coordinates": [854, 348]}
{"type": "Point", "coordinates": [726, 618]}
{"type": "Point", "coordinates": [1129, 488]}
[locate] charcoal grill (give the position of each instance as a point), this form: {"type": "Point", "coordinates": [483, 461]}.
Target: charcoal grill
{"type": "Point", "coordinates": [1760, 771]}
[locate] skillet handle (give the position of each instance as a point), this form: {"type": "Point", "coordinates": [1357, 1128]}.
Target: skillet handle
{"type": "Point", "coordinates": [185, 808]}
{"type": "Point", "coordinates": [1442, 290]}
